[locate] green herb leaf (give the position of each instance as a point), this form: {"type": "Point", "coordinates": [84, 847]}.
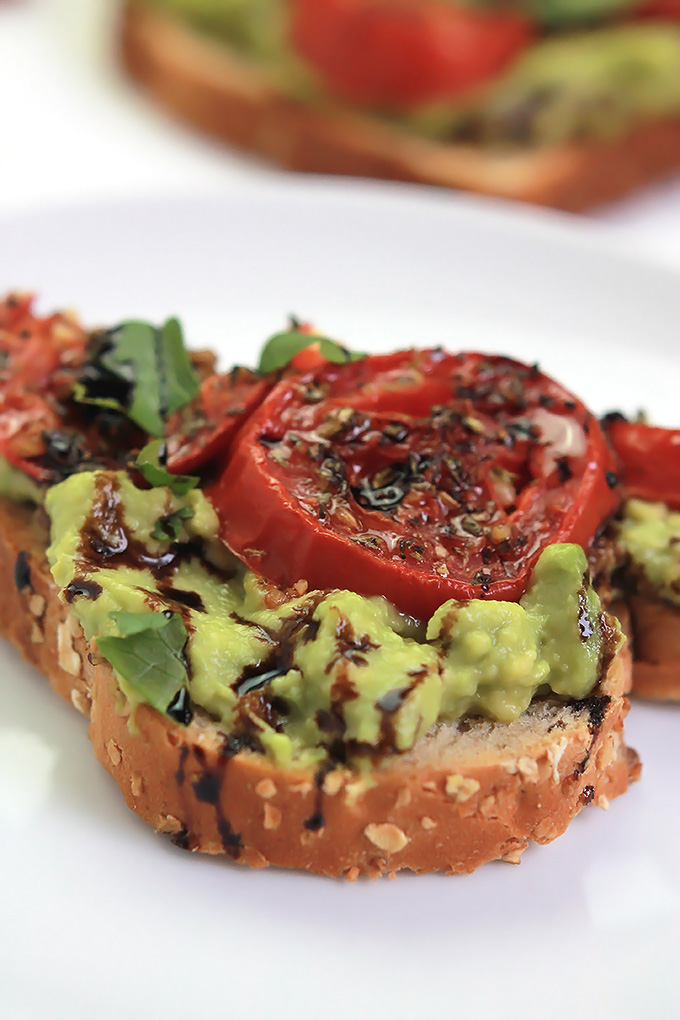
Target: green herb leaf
{"type": "Point", "coordinates": [181, 382]}
{"type": "Point", "coordinates": [150, 366]}
{"type": "Point", "coordinates": [149, 466]}
{"type": "Point", "coordinates": [149, 656]}
{"type": "Point", "coordinates": [280, 349]}
{"type": "Point", "coordinates": [133, 623]}
{"type": "Point", "coordinates": [168, 529]}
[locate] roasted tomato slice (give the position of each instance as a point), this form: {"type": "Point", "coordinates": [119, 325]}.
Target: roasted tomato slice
{"type": "Point", "coordinates": [37, 354]}
{"type": "Point", "coordinates": [39, 358]}
{"type": "Point", "coordinates": [650, 461]}
{"type": "Point", "coordinates": [421, 476]}
{"type": "Point", "coordinates": [205, 428]}
{"type": "Point", "coordinates": [400, 54]}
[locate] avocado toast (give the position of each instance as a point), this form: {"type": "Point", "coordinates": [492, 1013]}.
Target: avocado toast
{"type": "Point", "coordinates": [566, 103]}
{"type": "Point", "coordinates": [292, 722]}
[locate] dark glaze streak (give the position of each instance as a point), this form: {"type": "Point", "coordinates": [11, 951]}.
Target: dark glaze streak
{"type": "Point", "coordinates": [282, 642]}
{"type": "Point", "coordinates": [316, 821]}
{"type": "Point", "coordinates": [596, 705]}
{"type": "Point", "coordinates": [104, 537]}
{"type": "Point", "coordinates": [610, 643]}
{"type": "Point", "coordinates": [389, 705]}
{"type": "Point", "coordinates": [103, 534]}
{"type": "Point", "coordinates": [180, 708]}
{"type": "Point", "coordinates": [207, 790]}
{"type": "Point", "coordinates": [247, 684]}
{"type": "Point", "coordinates": [585, 627]}
{"type": "Point", "coordinates": [563, 469]}
{"type": "Point", "coordinates": [182, 839]}
{"type": "Point", "coordinates": [80, 586]}
{"type": "Point", "coordinates": [180, 774]}
{"type": "Point", "coordinates": [190, 599]}
{"type": "Point", "coordinates": [266, 634]}
{"type": "Point", "coordinates": [310, 631]}
{"type": "Point", "coordinates": [393, 700]}
{"type": "Point", "coordinates": [234, 743]}
{"type": "Point", "coordinates": [22, 572]}
{"type": "Point", "coordinates": [349, 646]}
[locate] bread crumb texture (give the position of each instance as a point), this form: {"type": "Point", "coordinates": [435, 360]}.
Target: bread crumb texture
{"type": "Point", "coordinates": [386, 836]}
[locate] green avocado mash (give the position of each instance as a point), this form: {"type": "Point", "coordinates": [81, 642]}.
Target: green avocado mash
{"type": "Point", "coordinates": [254, 26]}
{"type": "Point", "coordinates": [305, 672]}
{"type": "Point", "coordinates": [17, 486]}
{"type": "Point", "coordinates": [650, 534]}
{"type": "Point", "coordinates": [573, 12]}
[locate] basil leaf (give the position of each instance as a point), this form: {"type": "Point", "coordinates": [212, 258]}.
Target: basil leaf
{"type": "Point", "coordinates": [133, 623]}
{"type": "Point", "coordinates": [142, 371]}
{"type": "Point", "coordinates": [168, 529]}
{"type": "Point", "coordinates": [149, 656]}
{"type": "Point", "coordinates": [135, 357]}
{"type": "Point", "coordinates": [149, 466]}
{"type": "Point", "coordinates": [331, 350]}
{"type": "Point", "coordinates": [181, 382]}
{"type": "Point", "coordinates": [280, 349]}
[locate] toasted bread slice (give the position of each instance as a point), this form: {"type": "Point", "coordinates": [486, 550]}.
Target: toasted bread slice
{"type": "Point", "coordinates": [656, 641]}
{"type": "Point", "coordinates": [219, 92]}
{"type": "Point", "coordinates": [469, 792]}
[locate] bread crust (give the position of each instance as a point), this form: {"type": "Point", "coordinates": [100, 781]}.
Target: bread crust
{"type": "Point", "coordinates": [467, 794]}
{"type": "Point", "coordinates": [217, 91]}
{"type": "Point", "coordinates": [656, 642]}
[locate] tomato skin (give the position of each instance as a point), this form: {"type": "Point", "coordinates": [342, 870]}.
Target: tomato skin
{"type": "Point", "coordinates": [37, 352]}
{"type": "Point", "coordinates": [660, 10]}
{"type": "Point", "coordinates": [40, 357]}
{"type": "Point", "coordinates": [269, 498]}
{"type": "Point", "coordinates": [224, 403]}
{"type": "Point", "coordinates": [650, 459]}
{"type": "Point", "coordinates": [401, 54]}
{"type": "Point", "coordinates": [308, 358]}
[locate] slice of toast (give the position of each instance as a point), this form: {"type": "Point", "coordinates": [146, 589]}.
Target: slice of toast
{"type": "Point", "coordinates": [656, 641]}
{"type": "Point", "coordinates": [221, 93]}
{"type": "Point", "coordinates": [468, 793]}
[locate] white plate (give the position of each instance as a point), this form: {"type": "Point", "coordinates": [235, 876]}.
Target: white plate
{"type": "Point", "coordinates": [100, 918]}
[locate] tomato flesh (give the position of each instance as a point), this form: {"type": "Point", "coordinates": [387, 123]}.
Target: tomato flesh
{"type": "Point", "coordinates": [401, 54]}
{"type": "Point", "coordinates": [205, 429]}
{"type": "Point", "coordinates": [39, 358]}
{"type": "Point", "coordinates": [421, 476]}
{"type": "Point", "coordinates": [650, 460]}
{"type": "Point", "coordinates": [660, 10]}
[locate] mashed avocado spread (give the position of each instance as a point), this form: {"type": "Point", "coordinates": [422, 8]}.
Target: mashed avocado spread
{"type": "Point", "coordinates": [17, 486]}
{"type": "Point", "coordinates": [568, 85]}
{"type": "Point", "coordinates": [301, 673]}
{"type": "Point", "coordinates": [650, 534]}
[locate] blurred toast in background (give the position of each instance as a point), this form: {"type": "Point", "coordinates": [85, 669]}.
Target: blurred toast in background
{"type": "Point", "coordinates": [520, 103]}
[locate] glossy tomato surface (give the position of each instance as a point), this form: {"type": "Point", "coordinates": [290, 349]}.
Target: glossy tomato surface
{"type": "Point", "coordinates": [650, 461]}
{"type": "Point", "coordinates": [396, 55]}
{"type": "Point", "coordinates": [204, 429]}
{"type": "Point", "coordinates": [421, 476]}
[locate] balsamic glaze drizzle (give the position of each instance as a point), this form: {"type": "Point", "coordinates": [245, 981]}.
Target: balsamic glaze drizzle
{"type": "Point", "coordinates": [22, 572]}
